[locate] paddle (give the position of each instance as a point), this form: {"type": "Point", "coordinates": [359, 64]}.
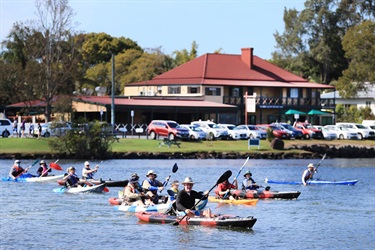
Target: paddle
{"type": "Point", "coordinates": [324, 156]}
{"type": "Point", "coordinates": [174, 170]}
{"type": "Point", "coordinates": [222, 178]}
{"type": "Point", "coordinates": [25, 170]}
{"type": "Point", "coordinates": [247, 159]}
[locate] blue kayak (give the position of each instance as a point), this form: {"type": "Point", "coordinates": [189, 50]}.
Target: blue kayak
{"type": "Point", "coordinates": [21, 178]}
{"type": "Point", "coordinates": [313, 182]}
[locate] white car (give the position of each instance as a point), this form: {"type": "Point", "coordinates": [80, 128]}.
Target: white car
{"type": "Point", "coordinates": [53, 129]}
{"type": "Point", "coordinates": [362, 131]}
{"type": "Point", "coordinates": [253, 132]}
{"type": "Point", "coordinates": [212, 130]}
{"type": "Point", "coordinates": [328, 134]}
{"type": "Point", "coordinates": [195, 132]}
{"type": "Point", "coordinates": [6, 128]}
{"type": "Point", "coordinates": [342, 132]}
{"type": "Point", "coordinates": [234, 132]}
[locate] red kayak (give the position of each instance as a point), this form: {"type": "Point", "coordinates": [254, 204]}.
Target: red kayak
{"type": "Point", "coordinates": [217, 221]}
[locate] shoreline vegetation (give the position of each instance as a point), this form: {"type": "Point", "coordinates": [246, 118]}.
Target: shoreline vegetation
{"type": "Point", "coordinates": [135, 148]}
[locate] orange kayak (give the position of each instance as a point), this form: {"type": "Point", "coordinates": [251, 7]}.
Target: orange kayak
{"type": "Point", "coordinates": [249, 202]}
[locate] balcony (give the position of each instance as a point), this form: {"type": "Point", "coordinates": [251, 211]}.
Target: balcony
{"type": "Point", "coordinates": [282, 102]}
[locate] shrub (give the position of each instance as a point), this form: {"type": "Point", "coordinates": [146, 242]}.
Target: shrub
{"type": "Point", "coordinates": [270, 135]}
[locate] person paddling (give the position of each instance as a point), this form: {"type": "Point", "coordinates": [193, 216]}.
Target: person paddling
{"type": "Point", "coordinates": [248, 183]}
{"type": "Point", "coordinates": [87, 172]}
{"type": "Point", "coordinates": [308, 174]}
{"type": "Point", "coordinates": [43, 169]}
{"type": "Point", "coordinates": [223, 189]}
{"type": "Point", "coordinates": [174, 189]}
{"type": "Point", "coordinates": [152, 185]}
{"type": "Point", "coordinates": [16, 170]}
{"type": "Point", "coordinates": [132, 194]}
{"type": "Point", "coordinates": [185, 200]}
{"type": "Point", "coordinates": [71, 179]}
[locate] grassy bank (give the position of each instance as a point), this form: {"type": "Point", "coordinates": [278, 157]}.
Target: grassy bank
{"type": "Point", "coordinates": [32, 145]}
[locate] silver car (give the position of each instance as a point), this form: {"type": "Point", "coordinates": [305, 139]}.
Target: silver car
{"type": "Point", "coordinates": [195, 132]}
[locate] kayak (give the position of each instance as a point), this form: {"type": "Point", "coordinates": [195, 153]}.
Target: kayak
{"type": "Point", "coordinates": [87, 189]}
{"type": "Point", "coordinates": [313, 182]}
{"type": "Point", "coordinates": [109, 183]}
{"type": "Point", "coordinates": [218, 221]}
{"type": "Point", "coordinates": [31, 178]}
{"type": "Point", "coordinates": [263, 194]}
{"type": "Point", "coordinates": [153, 208]}
{"type": "Point", "coordinates": [249, 202]}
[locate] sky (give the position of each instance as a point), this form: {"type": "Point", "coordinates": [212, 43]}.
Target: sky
{"type": "Point", "coordinates": [173, 25]}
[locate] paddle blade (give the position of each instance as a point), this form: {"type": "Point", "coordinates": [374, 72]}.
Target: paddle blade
{"type": "Point", "coordinates": [35, 162]}
{"type": "Point", "coordinates": [224, 177]}
{"type": "Point", "coordinates": [105, 190]}
{"type": "Point", "coordinates": [175, 168]}
{"type": "Point", "coordinates": [55, 166]}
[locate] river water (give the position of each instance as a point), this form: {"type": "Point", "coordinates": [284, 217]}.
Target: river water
{"type": "Point", "coordinates": [323, 217]}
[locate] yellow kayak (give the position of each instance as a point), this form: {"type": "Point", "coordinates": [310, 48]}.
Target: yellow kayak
{"type": "Point", "coordinates": [250, 202]}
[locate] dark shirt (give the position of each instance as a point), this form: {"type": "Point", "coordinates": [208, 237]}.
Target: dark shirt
{"type": "Point", "coordinates": [185, 201]}
{"type": "Point", "coordinates": [41, 170]}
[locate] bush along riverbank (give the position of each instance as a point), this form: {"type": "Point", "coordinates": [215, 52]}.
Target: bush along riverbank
{"type": "Point", "coordinates": [292, 152]}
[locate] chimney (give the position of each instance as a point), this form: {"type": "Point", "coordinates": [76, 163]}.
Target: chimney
{"type": "Point", "coordinates": [247, 56]}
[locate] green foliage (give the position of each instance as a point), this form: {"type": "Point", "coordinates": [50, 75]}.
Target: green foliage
{"type": "Point", "coordinates": [86, 141]}
{"type": "Point", "coordinates": [270, 135]}
{"type": "Point", "coordinates": [353, 114]}
{"type": "Point", "coordinates": [183, 56]}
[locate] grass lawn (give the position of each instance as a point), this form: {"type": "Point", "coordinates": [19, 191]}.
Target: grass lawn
{"type": "Point", "coordinates": [33, 145]}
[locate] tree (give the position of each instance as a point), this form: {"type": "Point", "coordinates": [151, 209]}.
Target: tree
{"type": "Point", "coordinates": [359, 46]}
{"type": "Point", "coordinates": [183, 56]}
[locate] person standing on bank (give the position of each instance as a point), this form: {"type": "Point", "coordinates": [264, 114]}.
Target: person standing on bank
{"type": "Point", "coordinates": [39, 130]}
{"type": "Point", "coordinates": [308, 174]}
{"type": "Point", "coordinates": [87, 172]}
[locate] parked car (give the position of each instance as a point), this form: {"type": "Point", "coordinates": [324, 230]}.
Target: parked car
{"type": "Point", "coordinates": [195, 132]}
{"type": "Point", "coordinates": [342, 132]}
{"type": "Point", "coordinates": [52, 129]}
{"type": "Point", "coordinates": [234, 132]}
{"type": "Point", "coordinates": [277, 132]}
{"type": "Point", "coordinates": [212, 129]}
{"type": "Point", "coordinates": [362, 131]}
{"type": "Point", "coordinates": [252, 132]}
{"type": "Point", "coordinates": [329, 134]}
{"type": "Point", "coordinates": [6, 128]}
{"type": "Point", "coordinates": [170, 129]}
{"type": "Point", "coordinates": [309, 131]}
{"type": "Point", "coordinates": [295, 132]}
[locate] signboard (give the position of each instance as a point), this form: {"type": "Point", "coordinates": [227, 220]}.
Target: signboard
{"type": "Point", "coordinates": [250, 104]}
{"type": "Point", "coordinates": [253, 142]}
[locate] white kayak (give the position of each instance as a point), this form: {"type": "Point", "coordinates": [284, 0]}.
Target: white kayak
{"type": "Point", "coordinates": [75, 190]}
{"type": "Point", "coordinates": [45, 178]}
{"type": "Point", "coordinates": [162, 208]}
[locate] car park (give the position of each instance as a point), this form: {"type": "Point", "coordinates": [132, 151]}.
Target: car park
{"type": "Point", "coordinates": [297, 134]}
{"type": "Point", "coordinates": [6, 128]}
{"type": "Point", "coordinates": [212, 129]}
{"type": "Point", "coordinates": [362, 131]}
{"type": "Point", "coordinates": [252, 132]}
{"type": "Point", "coordinates": [195, 132]}
{"type": "Point", "coordinates": [170, 129]}
{"type": "Point", "coordinates": [234, 132]}
{"type": "Point", "coordinates": [342, 132]}
{"type": "Point", "coordinates": [277, 132]}
{"type": "Point", "coordinates": [328, 134]}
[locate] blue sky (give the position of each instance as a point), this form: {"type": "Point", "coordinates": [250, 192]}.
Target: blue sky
{"type": "Point", "coordinates": [173, 24]}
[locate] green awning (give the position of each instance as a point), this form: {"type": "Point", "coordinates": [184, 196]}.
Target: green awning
{"type": "Point", "coordinates": [294, 112]}
{"type": "Point", "coordinates": [317, 112]}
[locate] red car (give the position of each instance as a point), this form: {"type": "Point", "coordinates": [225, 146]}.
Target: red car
{"type": "Point", "coordinates": [170, 129]}
{"type": "Point", "coordinates": [277, 132]}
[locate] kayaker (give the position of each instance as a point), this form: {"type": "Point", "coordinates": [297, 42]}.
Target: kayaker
{"type": "Point", "coordinates": [43, 169]}
{"type": "Point", "coordinates": [87, 172]}
{"type": "Point", "coordinates": [132, 194]}
{"type": "Point", "coordinates": [223, 189]}
{"type": "Point", "coordinates": [248, 183]}
{"type": "Point", "coordinates": [174, 189]}
{"type": "Point", "coordinates": [152, 186]}
{"type": "Point", "coordinates": [308, 174]}
{"type": "Point", "coordinates": [71, 179]}
{"type": "Point", "coordinates": [16, 170]}
{"type": "Point", "coordinates": [185, 200]}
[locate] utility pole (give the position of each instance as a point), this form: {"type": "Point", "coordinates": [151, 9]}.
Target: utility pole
{"type": "Point", "coordinates": [113, 93]}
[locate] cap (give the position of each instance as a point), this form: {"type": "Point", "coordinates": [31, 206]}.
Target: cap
{"type": "Point", "coordinates": [188, 180]}
{"type": "Point", "coordinates": [310, 165]}
{"type": "Point", "coordinates": [247, 172]}
{"type": "Point", "coordinates": [87, 163]}
{"type": "Point", "coordinates": [42, 162]}
{"type": "Point", "coordinates": [151, 172]}
{"type": "Point", "coordinates": [17, 161]}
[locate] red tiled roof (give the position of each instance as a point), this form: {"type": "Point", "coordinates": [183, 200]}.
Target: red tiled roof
{"type": "Point", "coordinates": [224, 69]}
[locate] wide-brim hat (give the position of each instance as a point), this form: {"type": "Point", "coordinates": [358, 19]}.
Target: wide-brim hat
{"type": "Point", "coordinates": [151, 172]}
{"type": "Point", "coordinates": [310, 165]}
{"type": "Point", "coordinates": [188, 180]}
{"type": "Point", "coordinates": [42, 162]}
{"type": "Point", "coordinates": [247, 172]}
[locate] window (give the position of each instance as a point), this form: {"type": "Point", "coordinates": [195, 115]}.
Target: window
{"type": "Point", "coordinates": [213, 91]}
{"type": "Point", "coordinates": [174, 90]}
{"type": "Point", "coordinates": [236, 92]}
{"type": "Point", "coordinates": [294, 93]}
{"type": "Point", "coordinates": [194, 89]}
{"type": "Point", "coordinates": [368, 103]}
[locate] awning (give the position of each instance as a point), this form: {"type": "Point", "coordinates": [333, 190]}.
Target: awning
{"type": "Point", "coordinates": [317, 112]}
{"type": "Point", "coordinates": [294, 112]}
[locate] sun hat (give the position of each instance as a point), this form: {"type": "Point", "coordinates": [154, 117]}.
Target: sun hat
{"type": "Point", "coordinates": [71, 168]}
{"type": "Point", "coordinates": [17, 161]}
{"type": "Point", "coordinates": [310, 165]}
{"type": "Point", "coordinates": [87, 163]}
{"type": "Point", "coordinates": [247, 172]}
{"type": "Point", "coordinates": [188, 180]}
{"type": "Point", "coordinates": [42, 162]}
{"type": "Point", "coordinates": [150, 172]}
{"type": "Point", "coordinates": [175, 182]}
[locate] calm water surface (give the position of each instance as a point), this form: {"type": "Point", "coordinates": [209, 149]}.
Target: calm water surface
{"type": "Point", "coordinates": [323, 217]}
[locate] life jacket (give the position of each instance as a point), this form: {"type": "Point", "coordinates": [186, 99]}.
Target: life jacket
{"type": "Point", "coordinates": [44, 170]}
{"type": "Point", "coordinates": [73, 180]}
{"type": "Point", "coordinates": [16, 170]}
{"type": "Point", "coordinates": [88, 176]}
